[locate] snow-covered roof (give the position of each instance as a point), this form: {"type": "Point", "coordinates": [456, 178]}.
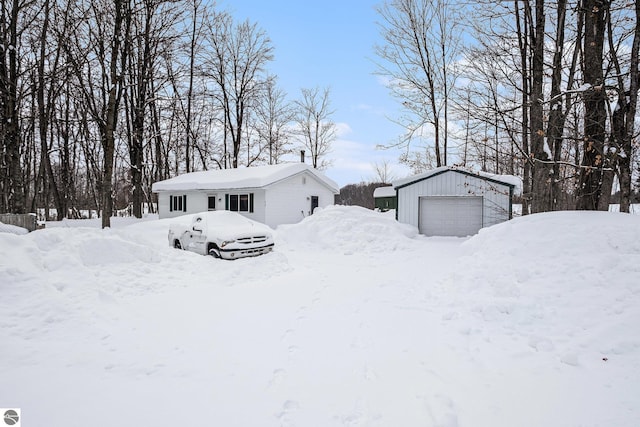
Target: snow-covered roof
{"type": "Point", "coordinates": [510, 180]}
{"type": "Point", "coordinates": [243, 177]}
{"type": "Point", "coordinates": [388, 191]}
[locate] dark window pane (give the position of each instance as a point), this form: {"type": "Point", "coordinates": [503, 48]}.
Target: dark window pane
{"type": "Point", "coordinates": [244, 203]}
{"type": "Point", "coordinates": [233, 202]}
{"type": "Point", "coordinates": [212, 203]}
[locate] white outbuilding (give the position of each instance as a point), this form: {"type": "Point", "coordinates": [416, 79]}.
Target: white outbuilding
{"type": "Point", "coordinates": [272, 194]}
{"type": "Point", "coordinates": [448, 201]}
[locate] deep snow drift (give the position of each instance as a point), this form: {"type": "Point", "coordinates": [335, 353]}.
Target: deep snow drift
{"type": "Point", "coordinates": [353, 320]}
{"type": "Point", "coordinates": [8, 228]}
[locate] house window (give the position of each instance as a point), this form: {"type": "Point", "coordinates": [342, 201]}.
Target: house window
{"type": "Point", "coordinates": [244, 202]}
{"type": "Point", "coordinates": [211, 205]}
{"type": "Point", "coordinates": [178, 203]}
{"type": "Point", "coordinates": [240, 202]}
{"type": "Point", "coordinates": [233, 202]}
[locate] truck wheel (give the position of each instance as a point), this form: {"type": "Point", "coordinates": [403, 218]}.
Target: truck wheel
{"type": "Point", "coordinates": [213, 251]}
{"type": "Point", "coordinates": [176, 244]}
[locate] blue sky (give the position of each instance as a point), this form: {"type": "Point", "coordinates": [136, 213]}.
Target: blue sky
{"type": "Point", "coordinates": [331, 44]}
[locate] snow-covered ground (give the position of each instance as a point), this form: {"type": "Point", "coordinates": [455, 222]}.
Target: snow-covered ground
{"type": "Point", "coordinates": [353, 320]}
{"type": "Point", "coordinates": [8, 228]}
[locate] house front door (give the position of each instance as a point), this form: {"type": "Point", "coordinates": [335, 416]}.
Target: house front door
{"type": "Point", "coordinates": [314, 203]}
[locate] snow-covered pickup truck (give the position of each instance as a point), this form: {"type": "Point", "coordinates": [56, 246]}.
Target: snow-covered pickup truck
{"type": "Point", "coordinates": [223, 234]}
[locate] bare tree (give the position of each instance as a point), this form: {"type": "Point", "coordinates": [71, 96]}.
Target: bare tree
{"type": "Point", "coordinates": [195, 36]}
{"type": "Point", "coordinates": [48, 87]}
{"type": "Point", "coordinates": [236, 62]}
{"type": "Point", "coordinates": [14, 16]}
{"type": "Point", "coordinates": [595, 113]}
{"type": "Point", "coordinates": [98, 56]}
{"type": "Point", "coordinates": [382, 172]}
{"type": "Point", "coordinates": [526, 61]}
{"type": "Point", "coordinates": [419, 52]}
{"type": "Point", "coordinates": [620, 152]}
{"type": "Point", "coordinates": [273, 121]}
{"type": "Point", "coordinates": [315, 127]}
{"type": "Point", "coordinates": [558, 109]}
{"type": "Point", "coordinates": [151, 20]}
{"type": "Point", "coordinates": [541, 191]}
{"type": "Point", "coordinates": [522, 31]}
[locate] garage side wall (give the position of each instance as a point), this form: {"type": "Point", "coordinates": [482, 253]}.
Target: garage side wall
{"type": "Point", "coordinates": [496, 196]}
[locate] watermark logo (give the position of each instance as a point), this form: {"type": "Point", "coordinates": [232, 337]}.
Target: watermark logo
{"type": "Point", "coordinates": [11, 417]}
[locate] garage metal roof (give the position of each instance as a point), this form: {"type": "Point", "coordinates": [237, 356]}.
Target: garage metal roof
{"type": "Point", "coordinates": [508, 180]}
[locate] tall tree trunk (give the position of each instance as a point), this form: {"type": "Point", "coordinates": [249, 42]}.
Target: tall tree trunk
{"type": "Point", "coordinates": [139, 101]}
{"type": "Point", "coordinates": [555, 127]}
{"type": "Point", "coordinates": [632, 108]}
{"type": "Point", "coordinates": [192, 61]}
{"type": "Point", "coordinates": [108, 126]}
{"type": "Point", "coordinates": [523, 46]}
{"type": "Point", "coordinates": [623, 117]}
{"type": "Point", "coordinates": [595, 114]}
{"type": "Point", "coordinates": [68, 198]}
{"type": "Point", "coordinates": [44, 114]}
{"type": "Point", "coordinates": [13, 189]}
{"type": "Point", "coordinates": [161, 163]}
{"type": "Point", "coordinates": [136, 159]}
{"type": "Point", "coordinates": [541, 169]}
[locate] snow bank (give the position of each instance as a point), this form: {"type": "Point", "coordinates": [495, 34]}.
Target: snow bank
{"type": "Point", "coordinates": [8, 228]}
{"type": "Point", "coordinates": [569, 281]}
{"type": "Point", "coordinates": [348, 229]}
{"type": "Point", "coordinates": [549, 240]}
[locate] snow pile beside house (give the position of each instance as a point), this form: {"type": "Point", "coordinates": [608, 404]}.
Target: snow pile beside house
{"type": "Point", "coordinates": [349, 229]}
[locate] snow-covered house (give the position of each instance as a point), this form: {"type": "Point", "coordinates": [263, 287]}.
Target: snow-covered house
{"type": "Point", "coordinates": [272, 194]}
{"type": "Point", "coordinates": [449, 201]}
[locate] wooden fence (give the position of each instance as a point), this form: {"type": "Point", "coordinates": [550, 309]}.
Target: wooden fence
{"type": "Point", "coordinates": [27, 221]}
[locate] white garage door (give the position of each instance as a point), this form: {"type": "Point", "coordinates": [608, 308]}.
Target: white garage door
{"type": "Point", "coordinates": [450, 216]}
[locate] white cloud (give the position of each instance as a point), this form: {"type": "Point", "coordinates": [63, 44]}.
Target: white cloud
{"type": "Point", "coordinates": [343, 129]}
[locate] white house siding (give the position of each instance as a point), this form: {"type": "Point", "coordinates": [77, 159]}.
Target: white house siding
{"type": "Point", "coordinates": [289, 200]}
{"type": "Point", "coordinates": [496, 196]}
{"type": "Point", "coordinates": [198, 201]}
{"type": "Point", "coordinates": [259, 203]}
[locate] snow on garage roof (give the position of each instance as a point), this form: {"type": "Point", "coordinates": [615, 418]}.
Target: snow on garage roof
{"type": "Point", "coordinates": [509, 180]}
{"type": "Point", "coordinates": [243, 177]}
{"type": "Point", "coordinates": [388, 191]}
